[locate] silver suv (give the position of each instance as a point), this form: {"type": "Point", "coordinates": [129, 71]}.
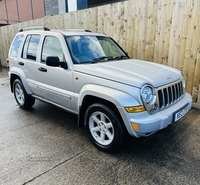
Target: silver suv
{"type": "Point", "coordinates": [90, 75]}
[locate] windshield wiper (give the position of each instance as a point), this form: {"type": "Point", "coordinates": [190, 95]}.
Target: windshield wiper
{"type": "Point", "coordinates": [121, 57]}
{"type": "Point", "coordinates": [105, 59]}
{"type": "Point", "coordinates": [101, 59]}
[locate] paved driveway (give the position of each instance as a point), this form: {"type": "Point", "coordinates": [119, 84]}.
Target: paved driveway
{"type": "Point", "coordinates": [44, 146]}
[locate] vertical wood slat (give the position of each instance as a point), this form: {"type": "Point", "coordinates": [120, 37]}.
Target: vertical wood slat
{"type": "Point", "coordinates": [151, 27]}
{"type": "Point", "coordinates": [183, 34]}
{"type": "Point", "coordinates": [128, 26]}
{"type": "Point", "coordinates": [162, 31]}
{"type": "Point", "coordinates": [167, 31]}
{"type": "Point", "coordinates": [189, 61]}
{"type": "Point", "coordinates": [195, 68]}
{"type": "Point", "coordinates": [136, 28]}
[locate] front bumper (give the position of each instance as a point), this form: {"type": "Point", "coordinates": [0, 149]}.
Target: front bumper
{"type": "Point", "coordinates": [148, 124]}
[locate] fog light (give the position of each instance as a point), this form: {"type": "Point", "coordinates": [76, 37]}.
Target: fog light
{"type": "Point", "coordinates": [135, 109]}
{"type": "Point", "coordinates": [135, 126]}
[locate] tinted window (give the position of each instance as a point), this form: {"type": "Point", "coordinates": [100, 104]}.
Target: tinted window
{"type": "Point", "coordinates": [87, 49]}
{"type": "Point", "coordinates": [15, 46]}
{"type": "Point", "coordinates": [30, 47]}
{"type": "Point", "coordinates": [52, 47]}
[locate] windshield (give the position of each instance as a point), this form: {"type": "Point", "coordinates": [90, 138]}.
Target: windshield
{"type": "Point", "coordinates": [93, 49]}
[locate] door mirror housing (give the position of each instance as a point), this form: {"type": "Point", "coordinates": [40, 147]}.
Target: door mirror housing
{"type": "Point", "coordinates": [54, 61]}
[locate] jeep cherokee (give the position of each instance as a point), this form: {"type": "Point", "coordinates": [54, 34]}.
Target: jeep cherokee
{"type": "Point", "coordinates": [90, 75]}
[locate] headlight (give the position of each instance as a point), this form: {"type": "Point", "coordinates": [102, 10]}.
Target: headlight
{"type": "Point", "coordinates": [148, 94]}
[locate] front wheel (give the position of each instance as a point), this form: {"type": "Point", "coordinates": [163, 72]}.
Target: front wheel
{"type": "Point", "coordinates": [104, 128]}
{"type": "Point", "coordinates": [22, 98]}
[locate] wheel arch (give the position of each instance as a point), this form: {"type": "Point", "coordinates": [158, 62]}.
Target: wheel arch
{"type": "Point", "coordinates": [113, 98]}
{"type": "Point", "coordinates": [89, 100]}
{"type": "Point", "coordinates": [19, 74]}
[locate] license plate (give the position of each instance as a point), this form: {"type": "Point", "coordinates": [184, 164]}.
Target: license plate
{"type": "Point", "coordinates": [182, 112]}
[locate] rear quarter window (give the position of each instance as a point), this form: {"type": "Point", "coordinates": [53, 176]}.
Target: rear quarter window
{"type": "Point", "coordinates": [16, 45]}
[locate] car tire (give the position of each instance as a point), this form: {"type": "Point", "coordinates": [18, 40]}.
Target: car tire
{"type": "Point", "coordinates": [104, 128]}
{"type": "Point", "coordinates": [22, 98]}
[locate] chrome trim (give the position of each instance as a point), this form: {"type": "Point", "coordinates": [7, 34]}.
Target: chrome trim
{"type": "Point", "coordinates": [153, 94]}
{"type": "Point", "coordinates": [60, 94]}
{"type": "Point", "coordinates": [166, 96]}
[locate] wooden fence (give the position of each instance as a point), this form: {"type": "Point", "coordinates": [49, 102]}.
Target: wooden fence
{"type": "Point", "coordinates": [162, 31]}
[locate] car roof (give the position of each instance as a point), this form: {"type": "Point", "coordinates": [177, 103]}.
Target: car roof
{"type": "Point", "coordinates": [77, 32]}
{"type": "Point", "coordinates": [67, 32]}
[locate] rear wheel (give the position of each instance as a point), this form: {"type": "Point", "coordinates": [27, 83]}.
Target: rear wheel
{"type": "Point", "coordinates": [104, 128]}
{"type": "Point", "coordinates": [22, 98]}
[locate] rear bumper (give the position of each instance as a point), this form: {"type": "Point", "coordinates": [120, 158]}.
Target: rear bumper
{"type": "Point", "coordinates": [148, 124]}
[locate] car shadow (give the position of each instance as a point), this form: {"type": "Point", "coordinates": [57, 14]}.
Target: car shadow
{"type": "Point", "coordinates": [160, 145]}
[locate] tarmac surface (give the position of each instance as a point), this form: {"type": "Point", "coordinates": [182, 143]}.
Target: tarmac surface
{"type": "Point", "coordinates": [44, 146]}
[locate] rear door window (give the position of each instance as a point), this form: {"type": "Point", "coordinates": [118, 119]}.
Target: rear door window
{"type": "Point", "coordinates": [30, 47]}
{"type": "Point", "coordinates": [16, 45]}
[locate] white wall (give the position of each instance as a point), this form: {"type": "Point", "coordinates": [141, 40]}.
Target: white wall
{"type": "Point", "coordinates": [61, 6]}
{"type": "Point", "coordinates": [72, 5]}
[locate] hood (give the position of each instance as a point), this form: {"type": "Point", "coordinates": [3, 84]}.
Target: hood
{"type": "Point", "coordinates": [132, 72]}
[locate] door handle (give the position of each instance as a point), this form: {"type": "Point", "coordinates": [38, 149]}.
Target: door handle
{"type": "Point", "coordinates": [21, 63]}
{"type": "Point", "coordinates": [42, 69]}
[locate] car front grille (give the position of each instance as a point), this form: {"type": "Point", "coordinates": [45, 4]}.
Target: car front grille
{"type": "Point", "coordinates": [169, 94]}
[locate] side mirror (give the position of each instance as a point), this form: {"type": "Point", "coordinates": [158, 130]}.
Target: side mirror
{"type": "Point", "coordinates": [53, 61]}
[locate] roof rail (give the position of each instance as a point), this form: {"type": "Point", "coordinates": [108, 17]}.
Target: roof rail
{"type": "Point", "coordinates": [35, 28]}
{"type": "Point", "coordinates": [81, 30]}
